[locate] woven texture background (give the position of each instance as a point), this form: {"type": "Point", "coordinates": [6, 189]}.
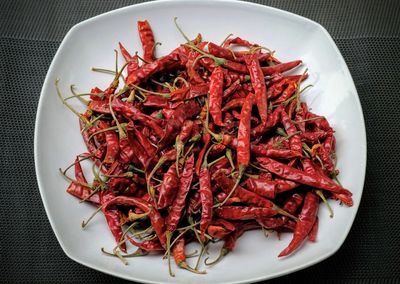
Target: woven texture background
{"type": "Point", "coordinates": [366, 32]}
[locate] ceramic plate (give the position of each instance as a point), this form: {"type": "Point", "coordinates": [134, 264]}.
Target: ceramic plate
{"type": "Point", "coordinates": [91, 43]}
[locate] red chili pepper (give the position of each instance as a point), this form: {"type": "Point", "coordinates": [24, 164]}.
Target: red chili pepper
{"type": "Point", "coordinates": [130, 112]}
{"type": "Point", "coordinates": [157, 221]}
{"type": "Point", "coordinates": [286, 94]}
{"type": "Point", "coordinates": [271, 223]}
{"type": "Point", "coordinates": [261, 186]}
{"type": "Point", "coordinates": [112, 143]}
{"type": "Point", "coordinates": [244, 213]}
{"type": "Point", "coordinates": [79, 190]}
{"type": "Point", "coordinates": [147, 39]}
{"type": "Point", "coordinates": [313, 137]}
{"type": "Point", "coordinates": [296, 175]}
{"type": "Point", "coordinates": [113, 217]}
{"type": "Point", "coordinates": [258, 82]}
{"type": "Point", "coordinates": [168, 188]}
{"type": "Point", "coordinates": [292, 204]}
{"type": "Point", "coordinates": [304, 225]}
{"type": "Point", "coordinates": [133, 61]}
{"type": "Point", "coordinates": [199, 162]}
{"type": "Point", "coordinates": [148, 245]}
{"type": "Point", "coordinates": [235, 103]}
{"type": "Point", "coordinates": [142, 139]}
{"type": "Point", "coordinates": [312, 236]}
{"type": "Point", "coordinates": [280, 68]}
{"type": "Point", "coordinates": [169, 61]}
{"type": "Point", "coordinates": [283, 185]}
{"type": "Point", "coordinates": [318, 121]}
{"type": "Point", "coordinates": [243, 140]}
{"type": "Point", "coordinates": [85, 135]}
{"type": "Point", "coordinates": [206, 197]}
{"type": "Point", "coordinates": [175, 212]}
{"type": "Point", "coordinates": [216, 90]}
{"type": "Point", "coordinates": [238, 41]}
{"type": "Point", "coordinates": [295, 141]}
{"type": "Point", "coordinates": [231, 89]}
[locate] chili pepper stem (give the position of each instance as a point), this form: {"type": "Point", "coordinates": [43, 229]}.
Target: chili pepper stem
{"type": "Point", "coordinates": [321, 195]}
{"type": "Point", "coordinates": [184, 265]}
{"type": "Point", "coordinates": [81, 117]}
{"type": "Point", "coordinates": [221, 255]}
{"type": "Point", "coordinates": [168, 235]}
{"type": "Point", "coordinates": [218, 61]}
{"type": "Point", "coordinates": [75, 181]}
{"type": "Point", "coordinates": [138, 252]}
{"type": "Point", "coordinates": [283, 212]}
{"type": "Point", "coordinates": [242, 169]}
{"type": "Point", "coordinates": [84, 223]}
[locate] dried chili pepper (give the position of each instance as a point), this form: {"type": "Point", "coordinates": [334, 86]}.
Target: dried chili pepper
{"type": "Point", "coordinates": [147, 39]}
{"type": "Point", "coordinates": [306, 221]}
{"type": "Point", "coordinates": [216, 91]}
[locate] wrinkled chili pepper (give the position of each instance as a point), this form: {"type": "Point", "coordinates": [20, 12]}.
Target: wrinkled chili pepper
{"type": "Point", "coordinates": [304, 225]}
{"type": "Point", "coordinates": [216, 91]}
{"type": "Point", "coordinates": [296, 175]}
{"type": "Point", "coordinates": [244, 213]}
{"type": "Point", "coordinates": [147, 39]}
{"type": "Point", "coordinates": [169, 186]}
{"type": "Point", "coordinates": [175, 212]}
{"type": "Point", "coordinates": [258, 82]}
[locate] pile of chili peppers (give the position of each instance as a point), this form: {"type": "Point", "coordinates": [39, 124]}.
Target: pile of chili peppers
{"type": "Point", "coordinates": [201, 145]}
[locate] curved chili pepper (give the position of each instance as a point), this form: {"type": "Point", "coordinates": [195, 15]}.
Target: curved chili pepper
{"type": "Point", "coordinates": [85, 135]}
{"type": "Point", "coordinates": [142, 139]}
{"type": "Point", "coordinates": [238, 41]}
{"type": "Point", "coordinates": [199, 162]}
{"type": "Point", "coordinates": [313, 137]}
{"type": "Point", "coordinates": [270, 223]}
{"type": "Point", "coordinates": [286, 94]}
{"type": "Point", "coordinates": [175, 212]}
{"type": "Point", "coordinates": [133, 61]}
{"type": "Point", "coordinates": [113, 217]}
{"type": "Point", "coordinates": [148, 245]}
{"type": "Point", "coordinates": [147, 39]}
{"type": "Point", "coordinates": [305, 223]}
{"type": "Point", "coordinates": [280, 68]}
{"type": "Point", "coordinates": [296, 175]}
{"type": "Point", "coordinates": [283, 185]}
{"type": "Point", "coordinates": [169, 61]}
{"type": "Point", "coordinates": [80, 191]}
{"type": "Point", "coordinates": [258, 82]}
{"type": "Point", "coordinates": [233, 104]}
{"type": "Point", "coordinates": [157, 221]}
{"type": "Point", "coordinates": [168, 189]}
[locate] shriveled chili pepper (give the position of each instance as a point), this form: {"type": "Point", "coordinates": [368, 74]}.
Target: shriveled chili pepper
{"type": "Point", "coordinates": [244, 213]}
{"type": "Point", "coordinates": [169, 187]}
{"type": "Point", "coordinates": [133, 61]}
{"type": "Point", "coordinates": [295, 141]}
{"type": "Point", "coordinates": [261, 186]}
{"type": "Point", "coordinates": [235, 103]}
{"type": "Point", "coordinates": [112, 143]}
{"type": "Point", "coordinates": [280, 68]}
{"type": "Point", "coordinates": [304, 224]}
{"type": "Point", "coordinates": [231, 89]}
{"type": "Point", "coordinates": [312, 236]}
{"type": "Point", "coordinates": [157, 221]}
{"type": "Point", "coordinates": [147, 39]}
{"type": "Point", "coordinates": [175, 212]}
{"type": "Point", "coordinates": [80, 191]}
{"type": "Point", "coordinates": [199, 162]}
{"type": "Point", "coordinates": [206, 197]}
{"type": "Point", "coordinates": [148, 245]}
{"type": "Point", "coordinates": [178, 250]}
{"type": "Point", "coordinates": [296, 175]}
{"type": "Point", "coordinates": [258, 82]}
{"type": "Point", "coordinates": [130, 112]}
{"type": "Point", "coordinates": [216, 91]}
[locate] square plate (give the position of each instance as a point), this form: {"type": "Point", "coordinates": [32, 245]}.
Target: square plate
{"type": "Point", "coordinates": [91, 43]}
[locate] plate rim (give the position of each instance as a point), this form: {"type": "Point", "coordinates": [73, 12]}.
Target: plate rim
{"type": "Point", "coordinates": [74, 28]}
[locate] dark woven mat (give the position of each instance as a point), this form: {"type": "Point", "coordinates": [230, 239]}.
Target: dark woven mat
{"type": "Point", "coordinates": [367, 33]}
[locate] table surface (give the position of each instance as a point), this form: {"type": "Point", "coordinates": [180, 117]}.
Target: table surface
{"type": "Point", "coordinates": [367, 34]}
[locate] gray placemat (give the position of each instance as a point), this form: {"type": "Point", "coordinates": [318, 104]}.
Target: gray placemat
{"type": "Point", "coordinates": [366, 32]}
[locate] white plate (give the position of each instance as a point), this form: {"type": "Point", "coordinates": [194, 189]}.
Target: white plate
{"type": "Point", "coordinates": [91, 43]}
